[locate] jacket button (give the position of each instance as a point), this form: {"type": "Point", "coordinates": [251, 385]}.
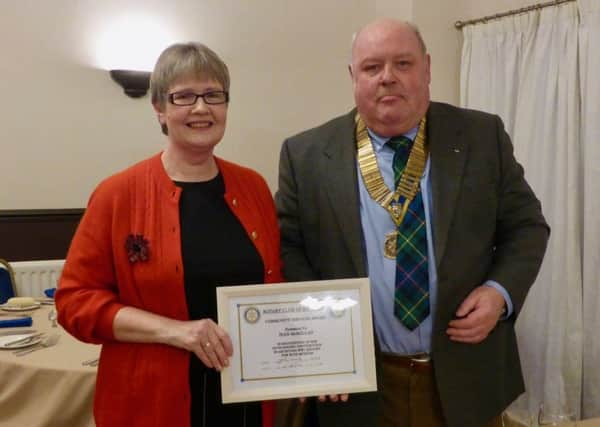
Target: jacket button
{"type": "Point", "coordinates": [254, 235]}
{"type": "Point", "coordinates": [234, 202]}
{"type": "Point", "coordinates": [269, 272]}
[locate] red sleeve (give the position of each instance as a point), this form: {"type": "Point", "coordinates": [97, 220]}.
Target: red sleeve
{"type": "Point", "coordinates": [86, 298]}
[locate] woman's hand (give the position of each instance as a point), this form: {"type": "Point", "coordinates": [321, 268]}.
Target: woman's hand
{"type": "Point", "coordinates": [208, 341]}
{"type": "Point", "coordinates": [204, 338]}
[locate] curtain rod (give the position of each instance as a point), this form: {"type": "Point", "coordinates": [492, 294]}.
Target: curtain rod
{"type": "Point", "coordinates": [460, 24]}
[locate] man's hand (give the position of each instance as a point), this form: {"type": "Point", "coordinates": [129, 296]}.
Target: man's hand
{"type": "Point", "coordinates": [332, 397]}
{"type": "Point", "coordinates": [477, 315]}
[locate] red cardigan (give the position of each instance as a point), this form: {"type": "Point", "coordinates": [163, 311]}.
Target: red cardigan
{"type": "Point", "coordinates": [147, 384]}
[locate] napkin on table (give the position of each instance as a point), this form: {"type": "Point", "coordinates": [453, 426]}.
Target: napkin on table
{"type": "Point", "coordinates": [16, 322]}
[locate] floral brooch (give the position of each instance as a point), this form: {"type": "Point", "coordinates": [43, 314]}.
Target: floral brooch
{"type": "Point", "coordinates": [137, 248]}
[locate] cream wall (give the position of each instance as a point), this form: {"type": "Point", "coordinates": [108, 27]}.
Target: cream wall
{"type": "Point", "coordinates": [66, 125]}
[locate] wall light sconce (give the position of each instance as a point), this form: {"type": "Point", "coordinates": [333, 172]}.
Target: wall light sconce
{"type": "Point", "coordinates": [134, 83]}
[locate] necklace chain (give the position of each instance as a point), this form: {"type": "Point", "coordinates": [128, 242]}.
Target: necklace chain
{"type": "Point", "coordinates": [408, 187]}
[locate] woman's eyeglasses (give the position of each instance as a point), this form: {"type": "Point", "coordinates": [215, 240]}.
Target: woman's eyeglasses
{"type": "Point", "coordinates": [189, 98]}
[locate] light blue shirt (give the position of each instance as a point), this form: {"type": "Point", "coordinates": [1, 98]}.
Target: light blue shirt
{"type": "Point", "coordinates": [376, 223]}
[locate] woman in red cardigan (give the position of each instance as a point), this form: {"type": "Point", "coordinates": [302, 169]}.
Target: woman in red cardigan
{"type": "Point", "coordinates": [154, 242]}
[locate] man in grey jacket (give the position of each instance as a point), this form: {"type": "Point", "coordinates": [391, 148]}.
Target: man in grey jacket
{"type": "Point", "coordinates": [428, 201]}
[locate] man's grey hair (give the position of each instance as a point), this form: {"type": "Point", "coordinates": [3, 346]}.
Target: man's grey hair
{"type": "Point", "coordinates": [409, 24]}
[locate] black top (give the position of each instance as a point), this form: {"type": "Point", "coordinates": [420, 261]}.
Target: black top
{"type": "Point", "coordinates": [216, 251]}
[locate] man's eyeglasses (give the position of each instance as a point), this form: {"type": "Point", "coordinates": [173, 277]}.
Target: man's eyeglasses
{"type": "Point", "coordinates": [189, 98]}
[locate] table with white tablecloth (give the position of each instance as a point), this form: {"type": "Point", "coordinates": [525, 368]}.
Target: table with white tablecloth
{"type": "Point", "coordinates": [511, 419]}
{"type": "Point", "coordinates": [49, 387]}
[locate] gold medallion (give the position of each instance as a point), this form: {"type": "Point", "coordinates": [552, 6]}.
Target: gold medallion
{"type": "Point", "coordinates": [394, 202]}
{"type": "Point", "coordinates": [389, 246]}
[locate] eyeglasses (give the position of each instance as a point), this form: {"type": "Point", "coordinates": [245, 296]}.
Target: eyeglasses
{"type": "Point", "coordinates": [189, 98]}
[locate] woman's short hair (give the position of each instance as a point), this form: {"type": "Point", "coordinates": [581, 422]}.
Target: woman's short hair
{"type": "Point", "coordinates": [182, 60]}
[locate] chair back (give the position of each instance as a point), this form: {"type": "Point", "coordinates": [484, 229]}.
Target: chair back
{"type": "Point", "coordinates": [7, 281]}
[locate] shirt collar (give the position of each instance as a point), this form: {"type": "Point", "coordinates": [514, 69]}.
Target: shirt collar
{"type": "Point", "coordinates": [379, 141]}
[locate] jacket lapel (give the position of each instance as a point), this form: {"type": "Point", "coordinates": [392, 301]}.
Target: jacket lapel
{"type": "Point", "coordinates": [339, 172]}
{"type": "Point", "coordinates": [448, 152]}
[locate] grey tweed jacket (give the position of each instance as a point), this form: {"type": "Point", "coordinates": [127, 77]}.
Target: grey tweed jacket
{"type": "Point", "coordinates": [487, 224]}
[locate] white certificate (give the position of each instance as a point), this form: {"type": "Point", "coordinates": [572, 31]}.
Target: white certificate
{"type": "Point", "coordinates": [297, 339]}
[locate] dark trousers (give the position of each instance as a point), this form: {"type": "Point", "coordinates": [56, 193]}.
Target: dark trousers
{"type": "Point", "coordinates": [410, 395]}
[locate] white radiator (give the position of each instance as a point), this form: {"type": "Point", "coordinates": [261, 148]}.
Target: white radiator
{"type": "Point", "coordinates": [32, 277]}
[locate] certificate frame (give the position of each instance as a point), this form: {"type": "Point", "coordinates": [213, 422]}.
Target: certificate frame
{"type": "Point", "coordinates": [304, 372]}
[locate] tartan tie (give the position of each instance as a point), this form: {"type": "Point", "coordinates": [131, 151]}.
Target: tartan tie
{"type": "Point", "coordinates": [411, 297]}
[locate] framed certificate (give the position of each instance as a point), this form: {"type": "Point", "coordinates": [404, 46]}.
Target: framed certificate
{"type": "Point", "coordinates": [297, 339]}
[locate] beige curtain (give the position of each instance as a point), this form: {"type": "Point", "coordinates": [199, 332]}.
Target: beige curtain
{"type": "Point", "coordinates": [589, 58]}
{"type": "Point", "coordinates": [539, 71]}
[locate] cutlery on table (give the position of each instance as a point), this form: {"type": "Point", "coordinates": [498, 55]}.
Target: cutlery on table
{"type": "Point", "coordinates": [23, 340]}
{"type": "Point", "coordinates": [91, 362]}
{"type": "Point", "coordinates": [48, 341]}
{"type": "Point", "coordinates": [17, 331]}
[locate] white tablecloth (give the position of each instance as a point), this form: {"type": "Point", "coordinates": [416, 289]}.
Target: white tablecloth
{"type": "Point", "coordinates": [49, 387]}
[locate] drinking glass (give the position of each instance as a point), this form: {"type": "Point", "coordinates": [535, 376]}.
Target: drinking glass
{"type": "Point", "coordinates": [518, 418]}
{"type": "Point", "coordinates": [52, 317]}
{"type": "Point", "coordinates": [550, 416]}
